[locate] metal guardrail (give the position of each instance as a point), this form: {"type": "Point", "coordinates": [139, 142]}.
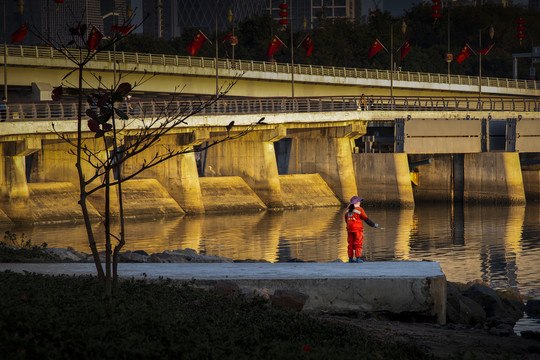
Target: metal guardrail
{"type": "Point", "coordinates": [274, 67]}
{"type": "Point", "coordinates": [67, 110]}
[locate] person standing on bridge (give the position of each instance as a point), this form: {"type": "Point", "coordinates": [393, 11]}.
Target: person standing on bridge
{"type": "Point", "coordinates": [128, 109]}
{"type": "Point", "coordinates": [3, 109]}
{"type": "Point", "coordinates": [355, 228]}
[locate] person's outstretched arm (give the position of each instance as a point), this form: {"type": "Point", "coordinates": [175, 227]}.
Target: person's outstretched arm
{"type": "Point", "coordinates": [371, 223]}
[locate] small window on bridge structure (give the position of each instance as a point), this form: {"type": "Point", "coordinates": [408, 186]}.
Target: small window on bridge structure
{"type": "Point", "coordinates": [28, 165]}
{"type": "Point", "coordinates": [200, 158]}
{"type": "Point", "coordinates": [282, 149]}
{"type": "Point", "coordinates": [116, 158]}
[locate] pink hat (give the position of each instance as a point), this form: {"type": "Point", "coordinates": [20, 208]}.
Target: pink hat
{"type": "Point", "coordinates": [356, 199]}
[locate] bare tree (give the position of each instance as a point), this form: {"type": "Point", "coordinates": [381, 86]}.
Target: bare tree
{"type": "Point", "coordinates": [106, 120]}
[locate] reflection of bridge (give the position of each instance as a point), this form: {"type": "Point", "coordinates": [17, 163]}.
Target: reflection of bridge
{"type": "Point", "coordinates": [33, 70]}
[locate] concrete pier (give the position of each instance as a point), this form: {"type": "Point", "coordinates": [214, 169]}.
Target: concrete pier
{"type": "Point", "coordinates": [413, 287]}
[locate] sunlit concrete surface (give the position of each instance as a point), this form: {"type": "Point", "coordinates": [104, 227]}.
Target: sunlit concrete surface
{"type": "Point", "coordinates": [393, 286]}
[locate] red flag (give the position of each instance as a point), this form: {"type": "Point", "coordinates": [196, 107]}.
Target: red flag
{"type": "Point", "coordinates": [274, 46]}
{"type": "Point", "coordinates": [307, 43]}
{"type": "Point", "coordinates": [375, 48]}
{"type": "Point", "coordinates": [405, 48]}
{"type": "Point", "coordinates": [196, 43]}
{"type": "Point", "coordinates": [464, 53]}
{"type": "Point", "coordinates": [123, 29]}
{"type": "Point", "coordinates": [233, 39]}
{"type": "Point", "coordinates": [94, 38]}
{"type": "Point", "coordinates": [20, 34]}
{"type": "Point", "coordinates": [485, 51]}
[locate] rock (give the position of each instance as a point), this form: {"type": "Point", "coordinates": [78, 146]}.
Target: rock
{"type": "Point", "coordinates": [154, 258]}
{"type": "Point", "coordinates": [486, 297]}
{"type": "Point", "coordinates": [263, 293]}
{"type": "Point", "coordinates": [63, 254]}
{"type": "Point", "coordinates": [141, 252]}
{"type": "Point", "coordinates": [251, 261]}
{"type": "Point", "coordinates": [461, 287]}
{"type": "Point", "coordinates": [289, 299]}
{"type": "Point", "coordinates": [502, 330]}
{"type": "Point", "coordinates": [513, 305]}
{"type": "Point", "coordinates": [533, 308]}
{"type": "Point", "coordinates": [463, 310]}
{"type": "Point", "coordinates": [491, 302]}
{"type": "Point", "coordinates": [79, 254]}
{"type": "Point", "coordinates": [129, 256]}
{"type": "Point", "coordinates": [529, 334]}
{"type": "Point", "coordinates": [186, 251]}
{"type": "Point", "coordinates": [227, 288]}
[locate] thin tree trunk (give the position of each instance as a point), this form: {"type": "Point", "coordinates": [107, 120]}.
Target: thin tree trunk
{"type": "Point", "coordinates": [82, 186]}
{"type": "Point", "coordinates": [108, 291]}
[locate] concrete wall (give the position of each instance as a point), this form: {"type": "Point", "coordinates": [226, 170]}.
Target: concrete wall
{"type": "Point", "coordinates": [253, 159]}
{"type": "Point", "coordinates": [306, 190]}
{"type": "Point", "coordinates": [493, 177]}
{"type": "Point", "coordinates": [531, 184]}
{"type": "Point", "coordinates": [483, 177]}
{"type": "Point", "coordinates": [435, 179]}
{"type": "Point", "coordinates": [384, 179]}
{"type": "Point", "coordinates": [48, 203]}
{"type": "Point", "coordinates": [229, 194]}
{"type": "Point", "coordinates": [328, 152]}
{"type": "Point", "coordinates": [178, 175]}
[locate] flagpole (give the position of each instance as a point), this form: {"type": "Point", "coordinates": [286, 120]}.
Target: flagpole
{"type": "Point", "coordinates": [5, 55]}
{"type": "Point", "coordinates": [480, 63]}
{"type": "Point", "coordinates": [391, 60]}
{"type": "Point", "coordinates": [217, 76]}
{"type": "Point", "coordinates": [292, 52]}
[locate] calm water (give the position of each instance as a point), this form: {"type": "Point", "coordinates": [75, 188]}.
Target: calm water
{"type": "Point", "coordinates": [500, 245]}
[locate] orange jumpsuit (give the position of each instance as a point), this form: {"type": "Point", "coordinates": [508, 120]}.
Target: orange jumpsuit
{"type": "Point", "coordinates": [355, 231]}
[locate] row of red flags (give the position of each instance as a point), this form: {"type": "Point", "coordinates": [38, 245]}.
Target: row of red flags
{"type": "Point", "coordinates": [307, 43]}
{"type": "Point", "coordinates": [92, 41]}
{"type": "Point", "coordinates": [275, 45]}
{"type": "Point", "coordinates": [95, 37]}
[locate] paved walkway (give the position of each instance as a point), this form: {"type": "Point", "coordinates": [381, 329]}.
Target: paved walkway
{"type": "Point", "coordinates": [216, 271]}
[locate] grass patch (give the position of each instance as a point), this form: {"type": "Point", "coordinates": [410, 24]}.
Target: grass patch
{"type": "Point", "coordinates": [21, 249]}
{"type": "Point", "coordinates": [66, 317]}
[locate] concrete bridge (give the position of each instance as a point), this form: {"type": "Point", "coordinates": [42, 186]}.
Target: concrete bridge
{"type": "Point", "coordinates": [33, 70]}
{"type": "Point", "coordinates": [310, 152]}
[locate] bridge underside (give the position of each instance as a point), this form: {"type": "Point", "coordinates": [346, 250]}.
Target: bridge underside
{"type": "Point", "coordinates": [283, 164]}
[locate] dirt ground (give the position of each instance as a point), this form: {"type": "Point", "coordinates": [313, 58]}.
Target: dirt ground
{"type": "Point", "coordinates": [445, 342]}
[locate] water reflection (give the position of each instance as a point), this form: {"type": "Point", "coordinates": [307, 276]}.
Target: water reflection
{"type": "Point", "coordinates": [500, 245]}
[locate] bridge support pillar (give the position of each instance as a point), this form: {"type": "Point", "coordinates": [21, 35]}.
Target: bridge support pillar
{"type": "Point", "coordinates": [493, 177]}
{"type": "Point", "coordinates": [41, 91]}
{"type": "Point", "coordinates": [328, 151]}
{"type": "Point", "coordinates": [14, 193]}
{"type": "Point", "coordinates": [384, 178]}
{"type": "Point", "coordinates": [178, 175]}
{"type": "Point", "coordinates": [253, 158]}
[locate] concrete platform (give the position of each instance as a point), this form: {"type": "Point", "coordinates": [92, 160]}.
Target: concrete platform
{"type": "Point", "coordinates": [416, 287]}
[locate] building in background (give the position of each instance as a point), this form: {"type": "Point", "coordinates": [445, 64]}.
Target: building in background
{"type": "Point", "coordinates": [53, 20]}
{"type": "Point", "coordinates": [169, 18]}
{"type": "Point", "coordinates": [308, 12]}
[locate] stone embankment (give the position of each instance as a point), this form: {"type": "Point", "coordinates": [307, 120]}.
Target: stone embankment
{"type": "Point", "coordinates": [471, 305]}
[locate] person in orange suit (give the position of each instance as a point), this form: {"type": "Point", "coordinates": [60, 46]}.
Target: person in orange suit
{"type": "Point", "coordinates": [354, 217]}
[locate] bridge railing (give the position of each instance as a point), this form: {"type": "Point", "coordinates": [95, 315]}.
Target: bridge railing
{"type": "Point", "coordinates": [154, 108]}
{"type": "Point", "coordinates": [300, 69]}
